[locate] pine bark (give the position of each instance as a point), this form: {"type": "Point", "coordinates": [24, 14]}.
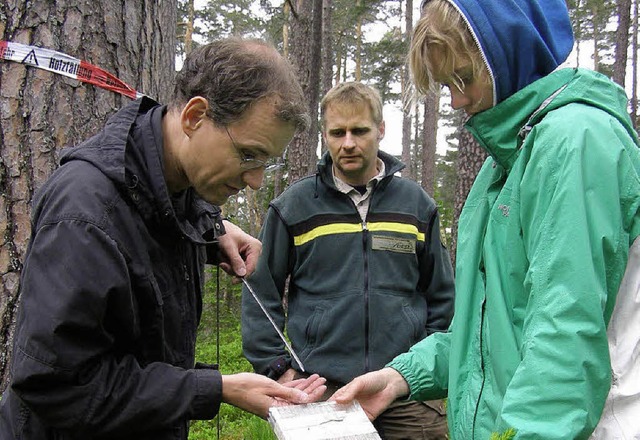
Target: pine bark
{"type": "Point", "coordinates": [305, 50]}
{"type": "Point", "coordinates": [634, 67]}
{"type": "Point", "coordinates": [327, 54]}
{"type": "Point", "coordinates": [409, 170]}
{"type": "Point", "coordinates": [622, 42]}
{"type": "Point", "coordinates": [429, 141]}
{"type": "Point", "coordinates": [471, 156]}
{"type": "Point", "coordinates": [42, 112]}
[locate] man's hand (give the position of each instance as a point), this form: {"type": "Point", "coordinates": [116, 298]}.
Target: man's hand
{"type": "Point", "coordinates": [314, 386]}
{"type": "Point", "coordinates": [374, 391]}
{"type": "Point", "coordinates": [240, 251]}
{"type": "Point", "coordinates": [256, 393]}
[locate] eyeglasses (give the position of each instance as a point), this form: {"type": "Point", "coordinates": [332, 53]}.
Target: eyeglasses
{"type": "Point", "coordinates": [248, 162]}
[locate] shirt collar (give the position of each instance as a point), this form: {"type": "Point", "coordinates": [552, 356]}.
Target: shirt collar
{"type": "Point", "coordinates": [345, 188]}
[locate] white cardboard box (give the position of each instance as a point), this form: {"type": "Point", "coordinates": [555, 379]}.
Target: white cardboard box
{"type": "Point", "coordinates": [322, 421]}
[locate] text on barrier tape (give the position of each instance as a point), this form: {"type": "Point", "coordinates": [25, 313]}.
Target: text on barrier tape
{"type": "Point", "coordinates": [66, 65]}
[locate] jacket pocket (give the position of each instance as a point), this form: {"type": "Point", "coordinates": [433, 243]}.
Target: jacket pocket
{"type": "Point", "coordinates": [414, 322]}
{"type": "Point", "coordinates": [312, 330]}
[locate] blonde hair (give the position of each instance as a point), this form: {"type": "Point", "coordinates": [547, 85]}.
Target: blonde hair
{"type": "Point", "coordinates": [353, 92]}
{"type": "Point", "coordinates": [442, 35]}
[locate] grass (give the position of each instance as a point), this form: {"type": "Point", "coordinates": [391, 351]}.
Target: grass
{"type": "Point", "coordinates": [235, 424]}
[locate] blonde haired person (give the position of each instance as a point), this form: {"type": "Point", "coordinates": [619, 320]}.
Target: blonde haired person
{"type": "Point", "coordinates": [544, 341]}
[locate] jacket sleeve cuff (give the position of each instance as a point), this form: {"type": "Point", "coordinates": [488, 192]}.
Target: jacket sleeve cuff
{"type": "Point", "coordinates": [278, 367]}
{"type": "Point", "coordinates": [206, 403]}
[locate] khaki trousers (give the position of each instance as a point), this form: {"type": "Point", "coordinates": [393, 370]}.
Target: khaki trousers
{"type": "Point", "coordinates": [411, 420]}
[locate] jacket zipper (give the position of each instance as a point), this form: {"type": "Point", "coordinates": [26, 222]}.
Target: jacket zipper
{"type": "Point", "coordinates": [481, 350]}
{"type": "Point", "coordinates": [365, 235]}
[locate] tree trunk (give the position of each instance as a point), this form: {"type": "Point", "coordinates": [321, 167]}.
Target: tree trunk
{"type": "Point", "coordinates": [327, 47]}
{"type": "Point", "coordinates": [285, 28]}
{"type": "Point", "coordinates": [188, 34]}
{"type": "Point", "coordinates": [327, 53]}
{"type": "Point", "coordinates": [596, 39]}
{"type": "Point", "coordinates": [409, 171]}
{"type": "Point", "coordinates": [622, 42]}
{"type": "Point", "coordinates": [305, 50]}
{"type": "Point", "coordinates": [358, 50]}
{"type": "Point", "coordinates": [429, 141]}
{"type": "Point", "coordinates": [42, 112]}
{"type": "Point", "coordinates": [634, 64]}
{"type": "Point", "coordinates": [418, 120]}
{"type": "Point", "coordinates": [471, 156]}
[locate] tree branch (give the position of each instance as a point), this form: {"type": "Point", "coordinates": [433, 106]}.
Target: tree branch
{"type": "Point", "coordinates": [293, 9]}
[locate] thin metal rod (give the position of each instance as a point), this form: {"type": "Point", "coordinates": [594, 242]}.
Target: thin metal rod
{"type": "Point", "coordinates": [264, 310]}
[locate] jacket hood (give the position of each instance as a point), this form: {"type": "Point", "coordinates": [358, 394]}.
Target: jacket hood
{"type": "Point", "coordinates": [107, 149]}
{"type": "Point", "coordinates": [501, 129]}
{"type": "Point", "coordinates": [520, 40]}
{"type": "Point", "coordinates": [129, 151]}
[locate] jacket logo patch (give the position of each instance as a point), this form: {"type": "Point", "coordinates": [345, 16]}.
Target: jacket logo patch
{"type": "Point", "coordinates": [393, 244]}
{"type": "Point", "coordinates": [505, 209]}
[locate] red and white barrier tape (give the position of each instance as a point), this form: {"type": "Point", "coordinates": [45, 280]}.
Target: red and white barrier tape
{"type": "Point", "coordinates": [66, 65]}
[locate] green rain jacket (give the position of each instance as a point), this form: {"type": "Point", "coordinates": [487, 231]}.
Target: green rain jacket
{"type": "Point", "coordinates": [544, 239]}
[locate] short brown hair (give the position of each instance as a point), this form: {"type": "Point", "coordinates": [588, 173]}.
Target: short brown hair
{"type": "Point", "coordinates": [442, 32]}
{"type": "Point", "coordinates": [234, 73]}
{"type": "Point", "coordinates": [353, 92]}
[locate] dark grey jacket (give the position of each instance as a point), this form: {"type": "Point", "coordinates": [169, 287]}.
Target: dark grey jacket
{"type": "Point", "coordinates": [359, 293]}
{"type": "Point", "coordinates": [111, 296]}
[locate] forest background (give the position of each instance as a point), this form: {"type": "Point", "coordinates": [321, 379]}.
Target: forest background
{"type": "Point", "coordinates": [329, 41]}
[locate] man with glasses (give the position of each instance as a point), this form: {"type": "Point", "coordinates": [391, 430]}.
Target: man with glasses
{"type": "Point", "coordinates": [368, 274]}
{"type": "Point", "coordinates": [112, 283]}
{"type": "Point", "coordinates": [248, 160]}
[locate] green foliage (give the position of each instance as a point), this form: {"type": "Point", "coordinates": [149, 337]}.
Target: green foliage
{"type": "Point", "coordinates": [224, 18]}
{"type": "Point", "coordinates": [385, 60]}
{"type": "Point", "coordinates": [591, 18]}
{"type": "Point", "coordinates": [220, 19]}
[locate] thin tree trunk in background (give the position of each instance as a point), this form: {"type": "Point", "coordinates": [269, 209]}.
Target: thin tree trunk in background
{"type": "Point", "coordinates": [314, 78]}
{"type": "Point", "coordinates": [338, 66]}
{"type": "Point", "coordinates": [578, 25]}
{"type": "Point", "coordinates": [327, 53]}
{"type": "Point", "coordinates": [471, 156]}
{"type": "Point", "coordinates": [278, 174]}
{"type": "Point", "coordinates": [634, 77]}
{"type": "Point", "coordinates": [188, 34]}
{"type": "Point", "coordinates": [596, 40]}
{"type": "Point", "coordinates": [42, 112]}
{"type": "Point", "coordinates": [327, 46]}
{"type": "Point", "coordinates": [358, 53]}
{"type": "Point", "coordinates": [409, 170]}
{"type": "Point", "coordinates": [417, 129]}
{"type": "Point", "coordinates": [429, 141]}
{"type": "Point", "coordinates": [622, 42]}
{"type": "Point", "coordinates": [305, 50]}
{"type": "Point", "coordinates": [285, 28]}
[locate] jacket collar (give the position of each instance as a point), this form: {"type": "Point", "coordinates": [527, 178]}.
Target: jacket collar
{"type": "Point", "coordinates": [498, 129]}
{"type": "Point", "coordinates": [501, 130]}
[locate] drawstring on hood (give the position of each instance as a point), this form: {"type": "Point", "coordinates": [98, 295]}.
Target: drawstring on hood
{"type": "Point", "coordinates": [522, 40]}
